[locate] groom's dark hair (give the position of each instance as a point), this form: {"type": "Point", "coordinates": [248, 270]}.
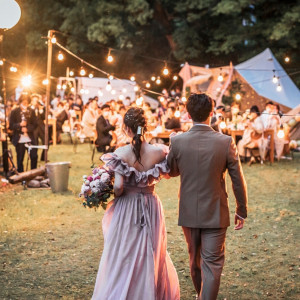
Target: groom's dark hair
{"type": "Point", "coordinates": [199, 106]}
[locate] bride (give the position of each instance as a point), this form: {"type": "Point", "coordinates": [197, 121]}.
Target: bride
{"type": "Point", "coordinates": [135, 263]}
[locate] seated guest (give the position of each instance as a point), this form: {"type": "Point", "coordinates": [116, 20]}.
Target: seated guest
{"type": "Point", "coordinates": [78, 105]}
{"type": "Point", "coordinates": [266, 115]}
{"type": "Point", "coordinates": [218, 117]}
{"type": "Point", "coordinates": [171, 121]}
{"type": "Point", "coordinates": [23, 122]}
{"type": "Point", "coordinates": [89, 119]}
{"type": "Point", "coordinates": [103, 127]}
{"type": "Point", "coordinates": [253, 133]}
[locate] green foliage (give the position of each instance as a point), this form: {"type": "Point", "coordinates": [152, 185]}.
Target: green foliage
{"type": "Point", "coordinates": [207, 31]}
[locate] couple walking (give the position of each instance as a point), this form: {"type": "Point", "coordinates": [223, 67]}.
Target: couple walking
{"type": "Point", "coordinates": [135, 264]}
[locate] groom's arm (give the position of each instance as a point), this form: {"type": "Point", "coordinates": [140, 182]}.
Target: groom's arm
{"type": "Point", "coordinates": [238, 181]}
{"type": "Point", "coordinates": [172, 161]}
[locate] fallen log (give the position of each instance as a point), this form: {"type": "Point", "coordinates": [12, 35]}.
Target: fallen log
{"type": "Point", "coordinates": [26, 176]}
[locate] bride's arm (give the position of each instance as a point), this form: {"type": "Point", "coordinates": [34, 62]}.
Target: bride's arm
{"type": "Point", "coordinates": [118, 185]}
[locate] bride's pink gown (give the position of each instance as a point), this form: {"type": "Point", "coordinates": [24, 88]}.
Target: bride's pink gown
{"type": "Point", "coordinates": [135, 264]}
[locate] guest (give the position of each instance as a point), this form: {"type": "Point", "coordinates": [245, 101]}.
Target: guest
{"type": "Point", "coordinates": [171, 121]}
{"type": "Point", "coordinates": [78, 105]}
{"type": "Point", "coordinates": [23, 122]}
{"type": "Point", "coordinates": [266, 116]}
{"type": "Point", "coordinates": [55, 102]}
{"type": "Point", "coordinates": [218, 117]}
{"type": "Point", "coordinates": [89, 119]}
{"type": "Point", "coordinates": [252, 134]}
{"type": "Point", "coordinates": [103, 127]}
{"type": "Point", "coordinates": [39, 110]}
{"type": "Point", "coordinates": [61, 117]}
{"type": "Point", "coordinates": [127, 101]}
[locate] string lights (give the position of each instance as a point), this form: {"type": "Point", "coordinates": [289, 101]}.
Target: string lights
{"type": "Point", "coordinates": [177, 114]}
{"type": "Point", "coordinates": [45, 82]}
{"type": "Point", "coordinates": [148, 85]}
{"type": "Point", "coordinates": [1, 62]}
{"type": "Point", "coordinates": [278, 88]}
{"type": "Point", "coordinates": [26, 80]}
{"type": "Point", "coordinates": [111, 77]}
{"type": "Point", "coordinates": [275, 78]}
{"type": "Point", "coordinates": [82, 71]}
{"type": "Point", "coordinates": [71, 73]}
{"type": "Point", "coordinates": [153, 78]}
{"type": "Point", "coordinates": [60, 56]}
{"type": "Point", "coordinates": [91, 75]}
{"type": "Point", "coordinates": [109, 56]}
{"type": "Point", "coordinates": [108, 86]}
{"type": "Point", "coordinates": [166, 70]}
{"type": "Point", "coordinates": [287, 59]}
{"type": "Point", "coordinates": [238, 97]}
{"type": "Point", "coordinates": [158, 81]}
{"type": "Point", "coordinates": [53, 40]}
{"type": "Point", "coordinates": [132, 78]}
{"type": "Point", "coordinates": [220, 77]}
{"type": "Point", "coordinates": [175, 77]}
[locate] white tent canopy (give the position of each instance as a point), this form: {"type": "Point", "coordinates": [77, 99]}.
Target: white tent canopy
{"type": "Point", "coordinates": [258, 72]}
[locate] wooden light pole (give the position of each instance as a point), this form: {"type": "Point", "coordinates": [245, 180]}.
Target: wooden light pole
{"type": "Point", "coordinates": [49, 62]}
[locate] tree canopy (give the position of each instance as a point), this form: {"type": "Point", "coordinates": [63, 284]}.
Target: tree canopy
{"type": "Point", "coordinates": [198, 31]}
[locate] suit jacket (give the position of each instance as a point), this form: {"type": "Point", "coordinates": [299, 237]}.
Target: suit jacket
{"type": "Point", "coordinates": [103, 127]}
{"type": "Point", "coordinates": [202, 157]}
{"type": "Point", "coordinates": [14, 124]}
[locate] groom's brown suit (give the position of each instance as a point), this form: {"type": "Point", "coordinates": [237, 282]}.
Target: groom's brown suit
{"type": "Point", "coordinates": [201, 157]}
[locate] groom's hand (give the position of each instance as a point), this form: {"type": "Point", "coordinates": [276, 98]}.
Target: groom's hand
{"type": "Point", "coordinates": [239, 222]}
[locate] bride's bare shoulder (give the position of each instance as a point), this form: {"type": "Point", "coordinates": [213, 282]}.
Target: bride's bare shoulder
{"type": "Point", "coordinates": [157, 152]}
{"type": "Point", "coordinates": [123, 152]}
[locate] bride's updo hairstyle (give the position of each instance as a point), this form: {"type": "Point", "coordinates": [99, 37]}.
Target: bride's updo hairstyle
{"type": "Point", "coordinates": [136, 121]}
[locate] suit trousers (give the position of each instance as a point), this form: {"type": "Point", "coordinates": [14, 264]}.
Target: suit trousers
{"type": "Point", "coordinates": [206, 248]}
{"type": "Point", "coordinates": [20, 149]}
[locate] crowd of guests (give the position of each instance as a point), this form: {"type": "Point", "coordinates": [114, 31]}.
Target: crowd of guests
{"type": "Point", "coordinates": [102, 123]}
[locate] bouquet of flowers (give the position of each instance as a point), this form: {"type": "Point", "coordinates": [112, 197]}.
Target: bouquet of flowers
{"type": "Point", "coordinates": [97, 188]}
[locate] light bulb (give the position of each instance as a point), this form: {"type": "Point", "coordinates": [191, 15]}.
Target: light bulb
{"type": "Point", "coordinates": [275, 79]}
{"type": "Point", "coordinates": [121, 97]}
{"type": "Point", "coordinates": [60, 56]}
{"type": "Point", "coordinates": [13, 69]}
{"type": "Point", "coordinates": [1, 62]}
{"type": "Point", "coordinates": [113, 92]}
{"type": "Point", "coordinates": [153, 78]}
{"type": "Point", "coordinates": [286, 59]}
{"type": "Point", "coordinates": [136, 88]}
{"type": "Point", "coordinates": [280, 134]}
{"type": "Point", "coordinates": [223, 125]}
{"type": "Point", "coordinates": [108, 86]}
{"type": "Point", "coordinates": [220, 78]}
{"type": "Point", "coordinates": [124, 90]}
{"type": "Point", "coordinates": [177, 114]}
{"type": "Point", "coordinates": [175, 77]}
{"type": "Point", "coordinates": [26, 81]}
{"type": "Point", "coordinates": [64, 86]}
{"type": "Point", "coordinates": [45, 81]}
{"type": "Point", "coordinates": [58, 87]}
{"type": "Point", "coordinates": [71, 73]}
{"type": "Point", "coordinates": [111, 77]}
{"type": "Point", "coordinates": [183, 99]}
{"type": "Point", "coordinates": [110, 58]}
{"type": "Point", "coordinates": [162, 99]}
{"type": "Point", "coordinates": [53, 40]}
{"type": "Point", "coordinates": [100, 93]}
{"type": "Point", "coordinates": [132, 78]}
{"type": "Point", "coordinates": [72, 89]}
{"type": "Point", "coordinates": [158, 81]}
{"type": "Point", "coordinates": [81, 91]}
{"type": "Point", "coordinates": [165, 71]}
{"type": "Point", "coordinates": [279, 88]}
{"type": "Point", "coordinates": [82, 72]}
{"type": "Point", "coordinates": [86, 92]}
{"type": "Point", "coordinates": [91, 75]}
{"type": "Point", "coordinates": [238, 96]}
{"type": "Point", "coordinates": [148, 85]}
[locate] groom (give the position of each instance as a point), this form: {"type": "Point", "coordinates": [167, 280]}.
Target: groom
{"type": "Point", "coordinates": [201, 157]}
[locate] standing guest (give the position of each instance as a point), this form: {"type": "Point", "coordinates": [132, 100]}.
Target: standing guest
{"type": "Point", "coordinates": [103, 127]}
{"type": "Point", "coordinates": [171, 122]}
{"type": "Point", "coordinates": [89, 119]}
{"type": "Point", "coordinates": [39, 110]}
{"type": "Point", "coordinates": [23, 122]}
{"type": "Point", "coordinates": [218, 117]}
{"type": "Point", "coordinates": [275, 123]}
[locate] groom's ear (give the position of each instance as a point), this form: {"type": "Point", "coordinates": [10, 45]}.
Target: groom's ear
{"type": "Point", "coordinates": [211, 114]}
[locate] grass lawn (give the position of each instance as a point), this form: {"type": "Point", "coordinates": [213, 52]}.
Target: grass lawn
{"type": "Point", "coordinates": [50, 246]}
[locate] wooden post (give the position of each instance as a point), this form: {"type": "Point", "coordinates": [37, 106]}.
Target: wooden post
{"type": "Point", "coordinates": [49, 61]}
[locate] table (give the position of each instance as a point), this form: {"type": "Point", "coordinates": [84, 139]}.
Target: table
{"type": "Point", "coordinates": [52, 121]}
{"type": "Point", "coordinates": [267, 133]}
